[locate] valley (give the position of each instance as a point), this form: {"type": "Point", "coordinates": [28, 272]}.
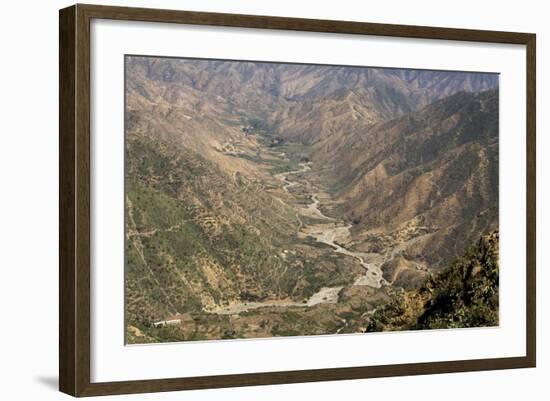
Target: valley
{"type": "Point", "coordinates": [326, 232]}
{"type": "Point", "coordinates": [268, 199]}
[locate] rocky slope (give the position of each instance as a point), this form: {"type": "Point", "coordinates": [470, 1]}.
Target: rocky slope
{"type": "Point", "coordinates": [429, 178]}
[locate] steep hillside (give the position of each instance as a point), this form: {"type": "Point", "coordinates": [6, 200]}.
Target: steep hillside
{"type": "Point", "coordinates": [430, 177]}
{"type": "Point", "coordinates": [464, 294]}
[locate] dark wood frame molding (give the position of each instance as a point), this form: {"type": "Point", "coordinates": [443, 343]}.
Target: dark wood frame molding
{"type": "Point", "coordinates": [74, 199]}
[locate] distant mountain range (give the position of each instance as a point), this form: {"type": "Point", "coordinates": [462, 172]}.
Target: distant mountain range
{"type": "Point", "coordinates": [391, 91]}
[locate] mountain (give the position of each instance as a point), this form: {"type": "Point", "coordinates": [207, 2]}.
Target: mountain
{"type": "Point", "coordinates": [433, 172]}
{"type": "Point", "coordinates": [255, 88]}
{"type": "Point", "coordinates": [268, 199]}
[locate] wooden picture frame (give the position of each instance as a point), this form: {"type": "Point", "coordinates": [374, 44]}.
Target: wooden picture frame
{"type": "Point", "coordinates": [74, 199]}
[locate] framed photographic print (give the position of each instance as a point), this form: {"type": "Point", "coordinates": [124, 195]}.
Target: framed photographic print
{"type": "Point", "coordinates": [250, 200]}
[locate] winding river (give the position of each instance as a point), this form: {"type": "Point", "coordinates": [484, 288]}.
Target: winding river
{"type": "Point", "coordinates": [336, 230]}
{"type": "Point", "coordinates": [328, 232]}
